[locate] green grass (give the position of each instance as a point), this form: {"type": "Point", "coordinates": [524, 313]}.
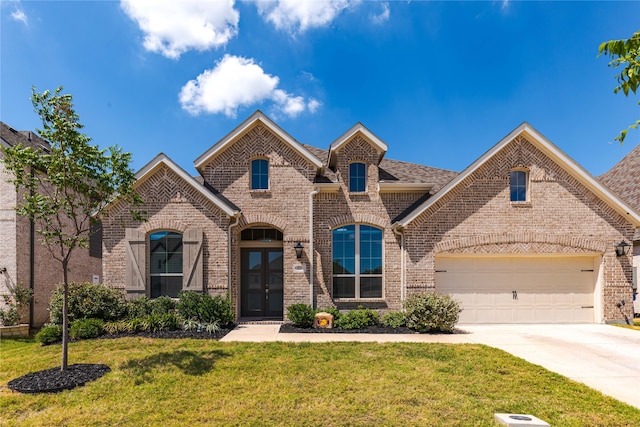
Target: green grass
{"type": "Point", "coordinates": [202, 382]}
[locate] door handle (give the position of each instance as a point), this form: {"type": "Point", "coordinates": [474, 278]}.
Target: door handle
{"type": "Point", "coordinates": [514, 294]}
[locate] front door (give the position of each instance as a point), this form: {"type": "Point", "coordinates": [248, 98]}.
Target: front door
{"type": "Point", "coordinates": [261, 289]}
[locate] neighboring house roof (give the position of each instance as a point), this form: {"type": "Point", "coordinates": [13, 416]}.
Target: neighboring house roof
{"type": "Point", "coordinates": [12, 137]}
{"type": "Point", "coordinates": [162, 159]}
{"type": "Point", "coordinates": [548, 149]}
{"type": "Point", "coordinates": [624, 179]}
{"type": "Point", "coordinates": [258, 116]}
{"type": "Point", "coordinates": [358, 128]}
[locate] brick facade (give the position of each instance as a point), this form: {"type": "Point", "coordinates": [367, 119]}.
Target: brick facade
{"type": "Point", "coordinates": [561, 217]}
{"type": "Point", "coordinates": [15, 256]}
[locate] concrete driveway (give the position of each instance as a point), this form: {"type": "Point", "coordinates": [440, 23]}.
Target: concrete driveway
{"type": "Point", "coordinates": [604, 357]}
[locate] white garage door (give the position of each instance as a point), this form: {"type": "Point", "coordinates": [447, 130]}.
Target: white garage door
{"type": "Point", "coordinates": [520, 289]}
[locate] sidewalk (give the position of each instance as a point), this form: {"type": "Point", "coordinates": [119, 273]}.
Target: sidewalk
{"type": "Point", "coordinates": [266, 333]}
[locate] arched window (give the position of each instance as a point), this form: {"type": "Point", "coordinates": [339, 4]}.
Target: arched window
{"type": "Point", "coordinates": [518, 185]}
{"type": "Point", "coordinates": [165, 263]}
{"type": "Point", "coordinates": [357, 177]}
{"type": "Point", "coordinates": [357, 261]}
{"type": "Point", "coordinates": [260, 174]}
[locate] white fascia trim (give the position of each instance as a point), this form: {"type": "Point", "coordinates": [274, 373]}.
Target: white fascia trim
{"type": "Point", "coordinates": [407, 187]}
{"type": "Point", "coordinates": [358, 128]}
{"type": "Point", "coordinates": [162, 159]}
{"type": "Point", "coordinates": [243, 127]}
{"type": "Point", "coordinates": [554, 153]}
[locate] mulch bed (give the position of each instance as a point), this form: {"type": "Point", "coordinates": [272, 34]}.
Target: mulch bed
{"type": "Point", "coordinates": [54, 380]}
{"type": "Point", "coordinates": [201, 335]}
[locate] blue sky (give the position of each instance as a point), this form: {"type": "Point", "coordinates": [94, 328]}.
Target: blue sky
{"type": "Point", "coordinates": [439, 82]}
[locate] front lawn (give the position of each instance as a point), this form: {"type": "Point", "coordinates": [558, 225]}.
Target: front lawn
{"type": "Point", "coordinates": [203, 382]}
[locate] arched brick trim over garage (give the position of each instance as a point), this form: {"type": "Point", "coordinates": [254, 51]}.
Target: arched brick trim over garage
{"type": "Point", "coordinates": [359, 218]}
{"type": "Point", "coordinates": [520, 243]}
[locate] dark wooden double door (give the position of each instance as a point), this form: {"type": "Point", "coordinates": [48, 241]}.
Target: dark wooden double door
{"type": "Point", "coordinates": [261, 283]}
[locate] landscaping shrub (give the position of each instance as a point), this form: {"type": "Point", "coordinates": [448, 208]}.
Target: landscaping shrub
{"type": "Point", "coordinates": [394, 319]}
{"type": "Point", "coordinates": [159, 322]}
{"type": "Point", "coordinates": [139, 307]}
{"type": "Point", "coordinates": [357, 319]}
{"type": "Point", "coordinates": [83, 329]}
{"type": "Point", "coordinates": [432, 312]}
{"type": "Point", "coordinates": [163, 305]}
{"type": "Point", "coordinates": [301, 315]}
{"type": "Point", "coordinates": [205, 309]}
{"type": "Point", "coordinates": [143, 307]}
{"type": "Point", "coordinates": [49, 334]}
{"type": "Point", "coordinates": [116, 327]}
{"type": "Point", "coordinates": [87, 300]}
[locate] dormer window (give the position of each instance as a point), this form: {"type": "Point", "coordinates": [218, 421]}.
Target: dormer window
{"type": "Point", "coordinates": [260, 174]}
{"type": "Point", "coordinates": [518, 185]}
{"type": "Point", "coordinates": [357, 177]}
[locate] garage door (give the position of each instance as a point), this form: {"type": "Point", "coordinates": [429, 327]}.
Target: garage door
{"type": "Point", "coordinates": [520, 289]}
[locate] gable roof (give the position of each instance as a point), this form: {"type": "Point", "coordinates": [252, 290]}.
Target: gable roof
{"type": "Point", "coordinates": [162, 160]}
{"type": "Point", "coordinates": [12, 137]}
{"type": "Point", "coordinates": [380, 145]}
{"type": "Point", "coordinates": [624, 178]}
{"type": "Point", "coordinates": [395, 172]}
{"type": "Point", "coordinates": [233, 136]}
{"type": "Point", "coordinates": [549, 149]}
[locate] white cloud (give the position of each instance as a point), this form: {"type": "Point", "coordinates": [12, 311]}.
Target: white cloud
{"type": "Point", "coordinates": [173, 27]}
{"type": "Point", "coordinates": [299, 15]}
{"type": "Point", "coordinates": [383, 16]}
{"type": "Point", "coordinates": [20, 16]}
{"type": "Point", "coordinates": [237, 82]}
{"type": "Point", "coordinates": [17, 14]}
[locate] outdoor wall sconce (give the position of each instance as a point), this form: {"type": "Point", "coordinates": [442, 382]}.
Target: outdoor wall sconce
{"type": "Point", "coordinates": [622, 249]}
{"type": "Point", "coordinates": [298, 247]}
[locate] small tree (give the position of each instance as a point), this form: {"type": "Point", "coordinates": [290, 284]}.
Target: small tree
{"type": "Point", "coordinates": [627, 53]}
{"type": "Point", "coordinates": [65, 187]}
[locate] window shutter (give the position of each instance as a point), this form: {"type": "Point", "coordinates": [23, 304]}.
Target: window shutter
{"type": "Point", "coordinates": [192, 261]}
{"type": "Point", "coordinates": [136, 250]}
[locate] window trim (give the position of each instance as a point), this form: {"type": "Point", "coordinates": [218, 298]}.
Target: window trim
{"type": "Point", "coordinates": [364, 190]}
{"type": "Point", "coordinates": [251, 173]}
{"type": "Point", "coordinates": [357, 275]}
{"type": "Point", "coordinates": [151, 252]}
{"type": "Point", "coordinates": [527, 185]}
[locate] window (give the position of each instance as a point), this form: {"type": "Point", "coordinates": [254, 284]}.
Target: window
{"type": "Point", "coordinates": [165, 263]}
{"type": "Point", "coordinates": [518, 186]}
{"type": "Point", "coordinates": [357, 262]}
{"type": "Point", "coordinates": [357, 177]}
{"type": "Point", "coordinates": [260, 174]}
{"type": "Point", "coordinates": [95, 239]}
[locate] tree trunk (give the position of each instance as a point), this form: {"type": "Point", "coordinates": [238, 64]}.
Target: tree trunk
{"type": "Point", "coordinates": [65, 319]}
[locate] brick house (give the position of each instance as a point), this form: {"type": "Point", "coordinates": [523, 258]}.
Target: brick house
{"type": "Point", "coordinates": [624, 179]}
{"type": "Point", "coordinates": [523, 235]}
{"type": "Point", "coordinates": [23, 259]}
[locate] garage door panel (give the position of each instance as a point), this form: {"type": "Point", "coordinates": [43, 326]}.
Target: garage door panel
{"type": "Point", "coordinates": [548, 289]}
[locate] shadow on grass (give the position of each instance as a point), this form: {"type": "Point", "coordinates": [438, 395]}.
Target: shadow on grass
{"type": "Point", "coordinates": [189, 362]}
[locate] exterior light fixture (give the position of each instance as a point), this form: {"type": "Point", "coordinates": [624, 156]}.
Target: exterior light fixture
{"type": "Point", "coordinates": [298, 247]}
{"type": "Point", "coordinates": [622, 249]}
